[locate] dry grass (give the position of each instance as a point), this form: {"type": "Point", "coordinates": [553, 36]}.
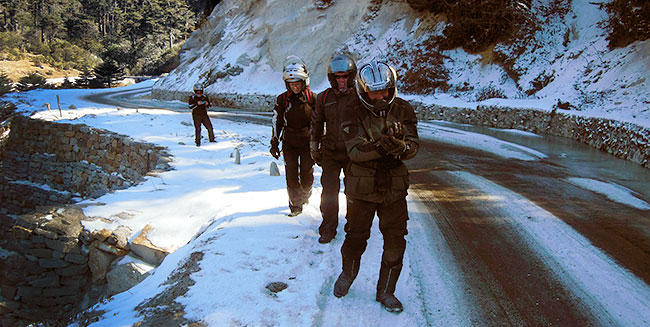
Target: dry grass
{"type": "Point", "coordinates": [17, 69]}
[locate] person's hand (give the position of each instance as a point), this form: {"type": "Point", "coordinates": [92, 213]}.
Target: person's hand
{"type": "Point", "coordinates": [316, 156]}
{"type": "Point", "coordinates": [275, 149]}
{"type": "Point", "coordinates": [392, 145]}
{"type": "Point", "coordinates": [396, 129]}
{"type": "Point", "coordinates": [315, 153]}
{"type": "Point", "coordinates": [275, 152]}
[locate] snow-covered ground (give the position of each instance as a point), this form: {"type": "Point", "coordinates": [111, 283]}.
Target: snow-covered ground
{"type": "Point", "coordinates": [233, 218]}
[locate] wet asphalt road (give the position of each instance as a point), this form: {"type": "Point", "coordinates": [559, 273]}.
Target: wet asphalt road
{"type": "Point", "coordinates": [512, 284]}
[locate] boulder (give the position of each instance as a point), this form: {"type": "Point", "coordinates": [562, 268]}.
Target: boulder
{"type": "Point", "coordinates": [124, 276]}
{"type": "Point", "coordinates": [99, 262]}
{"type": "Point", "coordinates": [146, 250]}
{"type": "Point", "coordinates": [120, 237]}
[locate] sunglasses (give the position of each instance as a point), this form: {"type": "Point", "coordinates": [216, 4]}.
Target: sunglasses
{"type": "Point", "coordinates": [341, 76]}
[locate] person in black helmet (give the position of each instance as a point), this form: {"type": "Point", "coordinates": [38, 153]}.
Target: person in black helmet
{"type": "Point", "coordinates": [291, 124]}
{"type": "Point", "coordinates": [199, 104]}
{"type": "Point", "coordinates": [380, 132]}
{"type": "Point", "coordinates": [327, 143]}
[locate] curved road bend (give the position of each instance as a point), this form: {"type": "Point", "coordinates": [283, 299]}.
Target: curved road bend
{"type": "Point", "coordinates": [138, 98]}
{"type": "Point", "coordinates": [511, 280]}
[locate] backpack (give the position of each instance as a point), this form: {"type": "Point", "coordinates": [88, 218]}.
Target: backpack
{"type": "Point", "coordinates": [311, 100]}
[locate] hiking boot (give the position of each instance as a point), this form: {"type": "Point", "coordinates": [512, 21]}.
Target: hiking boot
{"type": "Point", "coordinates": [295, 212]}
{"type": "Point", "coordinates": [347, 276]}
{"type": "Point", "coordinates": [325, 238]}
{"type": "Point", "coordinates": [342, 285]}
{"type": "Point", "coordinates": [386, 287]}
{"type": "Point", "coordinates": [390, 302]}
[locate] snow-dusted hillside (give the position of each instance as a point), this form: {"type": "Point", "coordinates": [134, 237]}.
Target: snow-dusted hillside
{"type": "Point", "coordinates": [243, 44]}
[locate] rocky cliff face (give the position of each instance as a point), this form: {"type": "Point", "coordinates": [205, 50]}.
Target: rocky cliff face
{"type": "Point", "coordinates": [242, 46]}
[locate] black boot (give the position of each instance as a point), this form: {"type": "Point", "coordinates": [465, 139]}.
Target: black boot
{"type": "Point", "coordinates": [347, 276]}
{"type": "Point", "coordinates": [386, 287]}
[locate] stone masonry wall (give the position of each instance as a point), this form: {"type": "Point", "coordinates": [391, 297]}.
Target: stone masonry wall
{"type": "Point", "coordinates": [624, 140]}
{"type": "Point", "coordinates": [248, 102]}
{"type": "Point", "coordinates": [46, 274]}
{"type": "Point", "coordinates": [50, 268]}
{"type": "Point", "coordinates": [44, 163]}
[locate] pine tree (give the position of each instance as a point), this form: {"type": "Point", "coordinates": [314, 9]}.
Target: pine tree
{"type": "Point", "coordinates": [30, 82]}
{"type": "Point", "coordinates": [67, 83]}
{"type": "Point", "coordinates": [83, 82]}
{"type": "Point", "coordinates": [108, 72]}
{"type": "Point", "coordinates": [5, 84]}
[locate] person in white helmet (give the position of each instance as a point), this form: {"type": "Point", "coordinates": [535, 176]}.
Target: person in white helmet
{"type": "Point", "coordinates": [199, 104]}
{"type": "Point", "coordinates": [380, 132]}
{"type": "Point", "coordinates": [291, 126]}
{"type": "Point", "coordinates": [327, 142]}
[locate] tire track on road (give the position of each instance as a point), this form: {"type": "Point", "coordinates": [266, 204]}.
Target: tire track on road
{"type": "Point", "coordinates": [511, 285]}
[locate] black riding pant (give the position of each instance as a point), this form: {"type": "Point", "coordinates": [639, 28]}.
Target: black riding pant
{"type": "Point", "coordinates": [333, 163]}
{"type": "Point", "coordinates": [299, 173]}
{"type": "Point", "coordinates": [392, 224]}
{"type": "Point", "coordinates": [202, 118]}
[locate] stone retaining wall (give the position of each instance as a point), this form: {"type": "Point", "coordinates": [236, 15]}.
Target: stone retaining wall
{"type": "Point", "coordinates": [50, 267]}
{"type": "Point", "coordinates": [248, 102]}
{"type": "Point", "coordinates": [623, 140]}
{"type": "Point", "coordinates": [46, 275]}
{"type": "Point", "coordinates": [55, 162]}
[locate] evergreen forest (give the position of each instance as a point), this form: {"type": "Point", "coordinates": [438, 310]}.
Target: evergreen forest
{"type": "Point", "coordinates": [116, 37]}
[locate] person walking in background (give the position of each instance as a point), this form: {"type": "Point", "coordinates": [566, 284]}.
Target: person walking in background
{"type": "Point", "coordinates": [327, 142]}
{"type": "Point", "coordinates": [380, 132]}
{"type": "Point", "coordinates": [199, 104]}
{"type": "Point", "coordinates": [291, 126]}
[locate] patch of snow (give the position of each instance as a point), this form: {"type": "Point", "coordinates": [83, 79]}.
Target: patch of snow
{"type": "Point", "coordinates": [478, 141]}
{"type": "Point", "coordinates": [612, 191]}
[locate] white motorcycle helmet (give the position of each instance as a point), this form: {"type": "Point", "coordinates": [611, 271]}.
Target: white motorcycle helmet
{"type": "Point", "coordinates": [376, 76]}
{"type": "Point", "coordinates": [295, 70]}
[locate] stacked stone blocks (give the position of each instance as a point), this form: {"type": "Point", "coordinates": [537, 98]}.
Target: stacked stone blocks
{"type": "Point", "coordinates": [47, 271]}
{"type": "Point", "coordinates": [57, 162]}
{"type": "Point", "coordinates": [622, 139]}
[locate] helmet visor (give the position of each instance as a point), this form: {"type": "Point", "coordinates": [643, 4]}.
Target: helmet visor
{"type": "Point", "coordinates": [376, 76]}
{"type": "Point", "coordinates": [340, 66]}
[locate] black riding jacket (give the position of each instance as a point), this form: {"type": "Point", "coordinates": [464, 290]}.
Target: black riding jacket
{"type": "Point", "coordinates": [292, 118]}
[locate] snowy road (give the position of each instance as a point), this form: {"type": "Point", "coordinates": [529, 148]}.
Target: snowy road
{"type": "Point", "coordinates": [506, 229]}
{"type": "Point", "coordinates": [533, 248]}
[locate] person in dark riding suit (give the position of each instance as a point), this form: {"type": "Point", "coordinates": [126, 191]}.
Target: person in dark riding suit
{"type": "Point", "coordinates": [327, 143]}
{"type": "Point", "coordinates": [380, 132]}
{"type": "Point", "coordinates": [199, 104]}
{"type": "Point", "coordinates": [291, 125]}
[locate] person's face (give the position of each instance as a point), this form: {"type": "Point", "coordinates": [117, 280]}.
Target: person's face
{"type": "Point", "coordinates": [296, 87]}
{"type": "Point", "coordinates": [342, 81]}
{"type": "Point", "coordinates": [378, 95]}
